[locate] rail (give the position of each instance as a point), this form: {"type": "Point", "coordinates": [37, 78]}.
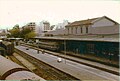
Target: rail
{"type": "Point", "coordinates": [98, 65]}
{"type": "Point", "coordinates": [52, 72]}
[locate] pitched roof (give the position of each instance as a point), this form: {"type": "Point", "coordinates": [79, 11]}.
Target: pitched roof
{"type": "Point", "coordinates": [88, 21]}
{"type": "Point", "coordinates": [82, 22]}
{"type": "Point", "coordinates": [3, 34]}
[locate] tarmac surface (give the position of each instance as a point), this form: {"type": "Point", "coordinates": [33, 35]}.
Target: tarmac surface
{"type": "Point", "coordinates": [75, 69]}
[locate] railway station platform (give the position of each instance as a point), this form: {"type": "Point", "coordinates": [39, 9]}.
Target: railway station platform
{"type": "Point", "coordinates": [79, 71]}
{"type": "Point", "coordinates": [97, 65]}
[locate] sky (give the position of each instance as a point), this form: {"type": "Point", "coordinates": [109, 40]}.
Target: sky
{"type": "Point", "coordinates": [21, 12]}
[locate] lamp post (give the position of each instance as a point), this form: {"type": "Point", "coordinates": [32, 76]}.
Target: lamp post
{"type": "Point", "coordinates": [37, 42]}
{"type": "Point", "coordinates": [111, 56]}
{"type": "Point", "coordinates": [77, 51]}
{"type": "Point", "coordinates": [65, 49]}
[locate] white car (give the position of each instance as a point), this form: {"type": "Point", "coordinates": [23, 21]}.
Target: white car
{"type": "Point", "coordinates": [59, 60]}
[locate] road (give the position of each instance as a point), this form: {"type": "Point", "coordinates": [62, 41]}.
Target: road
{"type": "Point", "coordinates": [77, 70]}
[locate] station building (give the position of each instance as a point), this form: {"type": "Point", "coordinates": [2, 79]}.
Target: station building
{"type": "Point", "coordinates": [95, 27]}
{"type": "Point", "coordinates": [96, 39]}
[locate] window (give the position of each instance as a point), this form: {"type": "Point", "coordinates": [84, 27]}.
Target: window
{"type": "Point", "coordinates": [68, 30]}
{"type": "Point", "coordinates": [81, 29]}
{"type": "Point", "coordinates": [71, 30]}
{"type": "Point", "coordinates": [87, 29]}
{"type": "Point", "coordinates": [76, 30]}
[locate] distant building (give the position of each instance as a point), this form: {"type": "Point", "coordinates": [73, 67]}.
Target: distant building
{"type": "Point", "coordinates": [96, 26]}
{"type": "Point", "coordinates": [42, 27]}
{"type": "Point", "coordinates": [58, 29]}
{"type": "Point", "coordinates": [38, 30]}
{"type": "Point", "coordinates": [46, 26]}
{"type": "Point", "coordinates": [3, 33]}
{"type": "Point", "coordinates": [31, 25]}
{"type": "Point", "coordinates": [62, 25]}
{"type": "Point", "coordinates": [58, 32]}
{"type": "Point", "coordinates": [52, 27]}
{"type": "Point", "coordinates": [21, 28]}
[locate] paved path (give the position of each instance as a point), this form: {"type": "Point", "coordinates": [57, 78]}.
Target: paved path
{"type": "Point", "coordinates": [77, 70]}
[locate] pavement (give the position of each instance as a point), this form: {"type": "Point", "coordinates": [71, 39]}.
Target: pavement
{"type": "Point", "coordinates": [80, 71]}
{"type": "Point", "coordinates": [97, 65]}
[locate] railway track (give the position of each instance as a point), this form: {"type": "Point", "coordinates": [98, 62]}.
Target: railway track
{"type": "Point", "coordinates": [44, 70]}
{"type": "Point", "coordinates": [79, 71]}
{"type": "Point", "coordinates": [12, 71]}
{"type": "Point", "coordinates": [94, 66]}
{"type": "Point", "coordinates": [14, 59]}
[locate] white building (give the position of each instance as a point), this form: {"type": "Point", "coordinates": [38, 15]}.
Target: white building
{"type": "Point", "coordinates": [96, 26]}
{"type": "Point", "coordinates": [3, 33]}
{"type": "Point", "coordinates": [58, 30]}
{"type": "Point", "coordinates": [42, 27]}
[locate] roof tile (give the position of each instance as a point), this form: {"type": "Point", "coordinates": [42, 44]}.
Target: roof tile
{"type": "Point", "coordinates": [82, 22]}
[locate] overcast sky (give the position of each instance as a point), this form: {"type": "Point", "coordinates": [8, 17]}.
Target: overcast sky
{"type": "Point", "coordinates": [55, 11]}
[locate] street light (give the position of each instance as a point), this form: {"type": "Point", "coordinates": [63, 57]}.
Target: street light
{"type": "Point", "coordinates": [37, 42]}
{"type": "Point", "coordinates": [111, 55]}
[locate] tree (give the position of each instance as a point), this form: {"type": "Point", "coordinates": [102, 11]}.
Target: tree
{"type": "Point", "coordinates": [24, 31]}
{"type": "Point", "coordinates": [30, 35]}
{"type": "Point", "coordinates": [15, 32]}
{"type": "Point", "coordinates": [16, 26]}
